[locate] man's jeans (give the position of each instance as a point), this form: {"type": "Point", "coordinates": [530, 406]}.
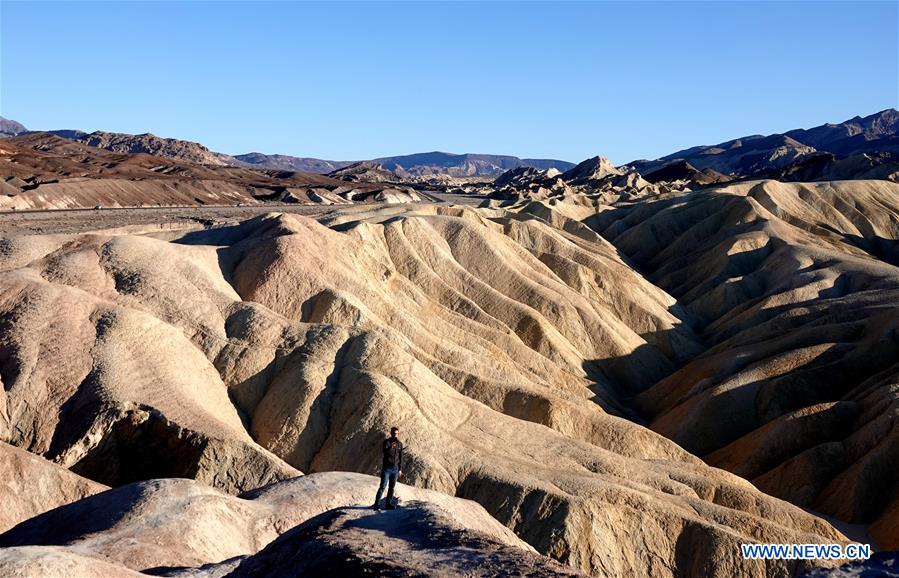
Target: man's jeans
{"type": "Point", "coordinates": [388, 478]}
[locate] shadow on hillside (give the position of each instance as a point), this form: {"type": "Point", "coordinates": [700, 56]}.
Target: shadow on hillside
{"type": "Point", "coordinates": [232, 241]}
{"type": "Point", "coordinates": [66, 523]}
{"type": "Point", "coordinates": [617, 380]}
{"type": "Point", "coordinates": [880, 248]}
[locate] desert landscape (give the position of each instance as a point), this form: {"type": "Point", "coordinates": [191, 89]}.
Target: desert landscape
{"type": "Point", "coordinates": [599, 370]}
{"type": "Point", "coordinates": [441, 289]}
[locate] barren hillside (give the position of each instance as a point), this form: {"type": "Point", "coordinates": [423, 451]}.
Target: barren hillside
{"type": "Point", "coordinates": [45, 171]}
{"type": "Point", "coordinates": [522, 349]}
{"type": "Point", "coordinates": [792, 288]}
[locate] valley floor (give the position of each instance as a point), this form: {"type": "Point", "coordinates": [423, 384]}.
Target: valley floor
{"type": "Point", "coordinates": [50, 221]}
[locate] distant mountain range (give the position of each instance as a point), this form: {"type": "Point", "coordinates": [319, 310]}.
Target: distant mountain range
{"type": "Point", "coordinates": [419, 164]}
{"type": "Point", "coordinates": [861, 147]}
{"type": "Point", "coordinates": [40, 170]}
{"type": "Point", "coordinates": [289, 163]}
{"type": "Point", "coordinates": [851, 149]}
{"type": "Point", "coordinates": [464, 165]}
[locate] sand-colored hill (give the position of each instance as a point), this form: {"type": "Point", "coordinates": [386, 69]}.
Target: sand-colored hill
{"type": "Point", "coordinates": [793, 288]}
{"type": "Point", "coordinates": [31, 485]}
{"type": "Point", "coordinates": [506, 343]}
{"type": "Point", "coordinates": [320, 523]}
{"type": "Point", "coordinates": [56, 562]}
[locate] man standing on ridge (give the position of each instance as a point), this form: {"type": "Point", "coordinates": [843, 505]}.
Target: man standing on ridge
{"type": "Point", "coordinates": [391, 468]}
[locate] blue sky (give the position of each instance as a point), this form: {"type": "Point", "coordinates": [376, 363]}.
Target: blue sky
{"type": "Point", "coordinates": [345, 80]}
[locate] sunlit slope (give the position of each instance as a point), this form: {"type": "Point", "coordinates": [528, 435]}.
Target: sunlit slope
{"type": "Point", "coordinates": [507, 347]}
{"type": "Point", "coordinates": [793, 288]}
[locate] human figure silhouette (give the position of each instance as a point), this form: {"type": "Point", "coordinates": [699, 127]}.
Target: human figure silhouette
{"type": "Point", "coordinates": [391, 468]}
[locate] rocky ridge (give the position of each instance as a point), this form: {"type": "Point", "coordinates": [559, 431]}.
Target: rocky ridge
{"type": "Point", "coordinates": [43, 170]}
{"type": "Point", "coordinates": [858, 148]}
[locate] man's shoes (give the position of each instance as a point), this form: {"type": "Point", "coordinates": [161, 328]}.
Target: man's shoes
{"type": "Point", "coordinates": [391, 507]}
{"type": "Point", "coordinates": [376, 507]}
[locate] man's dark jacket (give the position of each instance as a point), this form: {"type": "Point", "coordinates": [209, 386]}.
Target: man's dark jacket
{"type": "Point", "coordinates": [393, 454]}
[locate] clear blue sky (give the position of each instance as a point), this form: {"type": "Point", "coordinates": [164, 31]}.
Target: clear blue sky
{"type": "Point", "coordinates": [361, 80]}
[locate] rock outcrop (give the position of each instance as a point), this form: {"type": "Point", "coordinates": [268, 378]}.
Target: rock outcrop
{"type": "Point", "coordinates": [317, 524]}
{"type": "Point", "coordinates": [684, 171]}
{"type": "Point", "coordinates": [9, 127]}
{"type": "Point", "coordinates": [419, 539]}
{"type": "Point", "coordinates": [365, 172]}
{"type": "Point", "coordinates": [590, 171]}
